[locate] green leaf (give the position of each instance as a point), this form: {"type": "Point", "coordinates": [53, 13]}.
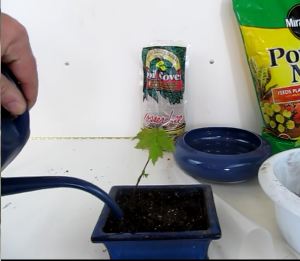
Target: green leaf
{"type": "Point", "coordinates": [156, 141]}
{"type": "Point", "coordinates": [297, 144]}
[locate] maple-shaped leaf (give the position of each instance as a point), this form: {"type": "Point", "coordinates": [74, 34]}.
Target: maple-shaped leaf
{"type": "Point", "coordinates": [156, 141]}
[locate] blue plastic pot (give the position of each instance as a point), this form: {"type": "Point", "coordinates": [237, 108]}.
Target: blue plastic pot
{"type": "Point", "coordinates": [160, 245]}
{"type": "Point", "coordinates": [221, 154]}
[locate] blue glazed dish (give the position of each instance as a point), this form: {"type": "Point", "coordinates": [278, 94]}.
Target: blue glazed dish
{"type": "Point", "coordinates": [160, 245]}
{"type": "Point", "coordinates": [221, 154]}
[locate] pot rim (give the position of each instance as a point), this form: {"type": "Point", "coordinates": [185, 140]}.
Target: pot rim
{"type": "Point", "coordinates": [272, 186]}
{"type": "Point", "coordinates": [211, 233]}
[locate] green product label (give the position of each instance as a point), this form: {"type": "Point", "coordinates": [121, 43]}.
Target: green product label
{"type": "Point", "coordinates": [164, 68]}
{"type": "Point", "coordinates": [264, 13]}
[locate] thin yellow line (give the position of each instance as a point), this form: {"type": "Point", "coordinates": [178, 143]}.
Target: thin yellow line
{"type": "Point", "coordinates": [78, 138]}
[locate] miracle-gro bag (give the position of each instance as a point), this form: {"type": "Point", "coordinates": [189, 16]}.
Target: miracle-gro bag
{"type": "Point", "coordinates": [271, 33]}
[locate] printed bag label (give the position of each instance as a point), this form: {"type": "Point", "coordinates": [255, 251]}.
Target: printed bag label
{"type": "Point", "coordinates": [272, 44]}
{"type": "Point", "coordinates": [163, 88]}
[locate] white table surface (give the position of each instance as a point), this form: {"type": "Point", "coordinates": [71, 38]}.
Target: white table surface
{"type": "Point", "coordinates": [57, 223]}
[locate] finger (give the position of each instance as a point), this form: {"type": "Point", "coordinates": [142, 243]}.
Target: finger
{"type": "Point", "coordinates": [16, 53]}
{"type": "Point", "coordinates": [11, 98]}
{"type": "Point", "coordinates": [24, 69]}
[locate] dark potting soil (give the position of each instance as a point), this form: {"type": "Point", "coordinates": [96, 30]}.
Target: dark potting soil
{"type": "Point", "coordinates": [159, 211]}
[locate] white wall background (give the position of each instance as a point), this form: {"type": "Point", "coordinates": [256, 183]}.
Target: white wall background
{"type": "Point", "coordinates": [89, 63]}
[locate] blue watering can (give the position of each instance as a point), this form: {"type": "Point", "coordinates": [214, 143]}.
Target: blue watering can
{"type": "Point", "coordinates": [15, 132]}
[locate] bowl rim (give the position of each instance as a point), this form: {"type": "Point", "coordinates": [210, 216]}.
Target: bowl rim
{"type": "Point", "coordinates": [251, 153]}
{"type": "Point", "coordinates": [272, 186]}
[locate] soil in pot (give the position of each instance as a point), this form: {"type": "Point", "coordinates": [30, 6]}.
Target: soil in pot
{"type": "Point", "coordinates": [155, 210]}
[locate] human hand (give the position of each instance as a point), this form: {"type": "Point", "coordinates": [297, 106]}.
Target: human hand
{"type": "Point", "coordinates": [17, 55]}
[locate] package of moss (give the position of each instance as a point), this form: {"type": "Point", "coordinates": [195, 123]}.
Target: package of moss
{"type": "Point", "coordinates": [163, 88]}
{"type": "Point", "coordinates": [271, 34]}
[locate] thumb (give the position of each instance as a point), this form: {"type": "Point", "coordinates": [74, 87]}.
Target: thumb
{"type": "Point", "coordinates": [11, 97]}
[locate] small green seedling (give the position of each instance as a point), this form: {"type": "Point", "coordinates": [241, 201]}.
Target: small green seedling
{"type": "Point", "coordinates": [156, 141]}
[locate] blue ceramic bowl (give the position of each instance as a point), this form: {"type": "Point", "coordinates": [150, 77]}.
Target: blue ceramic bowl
{"type": "Point", "coordinates": [221, 154]}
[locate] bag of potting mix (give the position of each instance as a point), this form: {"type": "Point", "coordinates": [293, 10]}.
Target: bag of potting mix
{"type": "Point", "coordinates": [271, 34]}
{"type": "Point", "coordinates": [163, 88]}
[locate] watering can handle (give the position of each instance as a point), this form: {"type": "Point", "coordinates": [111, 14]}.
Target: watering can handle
{"type": "Point", "coordinates": [15, 131]}
{"type": "Point", "coordinates": [16, 185]}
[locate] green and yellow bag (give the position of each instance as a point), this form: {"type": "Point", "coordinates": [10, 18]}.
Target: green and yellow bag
{"type": "Point", "coordinates": [271, 33]}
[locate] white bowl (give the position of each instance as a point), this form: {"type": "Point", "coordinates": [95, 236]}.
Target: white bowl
{"type": "Point", "coordinates": [279, 177]}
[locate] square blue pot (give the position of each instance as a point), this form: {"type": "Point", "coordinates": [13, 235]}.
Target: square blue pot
{"type": "Point", "coordinates": [160, 245]}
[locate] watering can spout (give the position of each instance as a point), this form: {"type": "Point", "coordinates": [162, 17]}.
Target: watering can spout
{"type": "Point", "coordinates": [16, 185]}
{"type": "Point", "coordinates": [15, 132]}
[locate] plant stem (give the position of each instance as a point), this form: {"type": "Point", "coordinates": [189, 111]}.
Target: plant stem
{"type": "Point", "coordinates": [142, 174]}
